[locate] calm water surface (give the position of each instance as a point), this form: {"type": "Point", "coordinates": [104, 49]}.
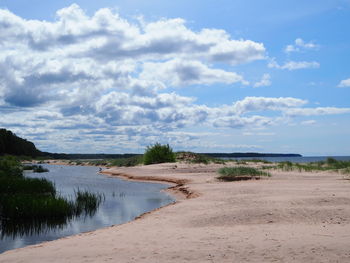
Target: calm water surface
{"type": "Point", "coordinates": [124, 200]}
{"type": "Point", "coordinates": [304, 159]}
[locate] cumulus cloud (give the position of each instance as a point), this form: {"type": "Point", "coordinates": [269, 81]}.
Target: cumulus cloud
{"type": "Point", "coordinates": [183, 73]}
{"type": "Point", "coordinates": [294, 65]}
{"type": "Point", "coordinates": [243, 122]}
{"type": "Point", "coordinates": [250, 104]}
{"type": "Point", "coordinates": [300, 45]}
{"type": "Point", "coordinates": [108, 78]}
{"type": "Point", "coordinates": [344, 83]}
{"type": "Point", "coordinates": [319, 111]}
{"type": "Point", "coordinates": [264, 82]}
{"type": "Point", "coordinates": [78, 58]}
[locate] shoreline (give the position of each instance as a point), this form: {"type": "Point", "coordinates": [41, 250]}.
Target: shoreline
{"type": "Point", "coordinates": [292, 216]}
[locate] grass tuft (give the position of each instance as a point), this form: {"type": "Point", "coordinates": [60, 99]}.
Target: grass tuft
{"type": "Point", "coordinates": [240, 173]}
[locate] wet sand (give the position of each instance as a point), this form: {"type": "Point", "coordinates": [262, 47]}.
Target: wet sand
{"type": "Point", "coordinates": [290, 217]}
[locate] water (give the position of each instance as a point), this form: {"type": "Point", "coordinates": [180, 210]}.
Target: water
{"type": "Point", "coordinates": [124, 200]}
{"type": "Point", "coordinates": [304, 159]}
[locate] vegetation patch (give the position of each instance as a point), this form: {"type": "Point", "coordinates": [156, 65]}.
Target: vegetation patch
{"type": "Point", "coordinates": [192, 157]}
{"type": "Point", "coordinates": [27, 202]}
{"type": "Point", "coordinates": [35, 168]}
{"type": "Point", "coordinates": [158, 153]}
{"type": "Point", "coordinates": [240, 173]}
{"type": "Point", "coordinates": [127, 162]}
{"type": "Point", "coordinates": [330, 164]}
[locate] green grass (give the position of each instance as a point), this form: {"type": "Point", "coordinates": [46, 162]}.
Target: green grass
{"type": "Point", "coordinates": [240, 173]}
{"type": "Point", "coordinates": [10, 166]}
{"type": "Point", "coordinates": [330, 164]}
{"type": "Point", "coordinates": [130, 161]}
{"type": "Point", "coordinates": [192, 157]}
{"type": "Point", "coordinates": [35, 168]}
{"type": "Point", "coordinates": [23, 185]}
{"type": "Point", "coordinates": [33, 202]}
{"type": "Point", "coordinates": [87, 202]}
{"type": "Point", "coordinates": [158, 153]}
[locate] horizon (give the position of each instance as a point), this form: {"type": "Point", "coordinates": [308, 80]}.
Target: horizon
{"type": "Point", "coordinates": [117, 76]}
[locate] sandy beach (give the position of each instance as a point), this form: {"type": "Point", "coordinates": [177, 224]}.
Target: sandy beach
{"type": "Point", "coordinates": [289, 217]}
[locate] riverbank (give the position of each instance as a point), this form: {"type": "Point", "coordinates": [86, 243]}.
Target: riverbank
{"type": "Point", "coordinates": [290, 217]}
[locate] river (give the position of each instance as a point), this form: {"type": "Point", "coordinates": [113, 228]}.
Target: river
{"type": "Point", "coordinates": [123, 201]}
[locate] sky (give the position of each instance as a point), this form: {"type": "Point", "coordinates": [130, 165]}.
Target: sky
{"type": "Point", "coordinates": [201, 75]}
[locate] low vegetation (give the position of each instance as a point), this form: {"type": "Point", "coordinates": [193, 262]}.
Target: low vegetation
{"type": "Point", "coordinates": [127, 162]}
{"type": "Point", "coordinates": [34, 201]}
{"type": "Point", "coordinates": [330, 164]}
{"type": "Point", "coordinates": [192, 157]}
{"type": "Point", "coordinates": [240, 173]}
{"type": "Point", "coordinates": [158, 153]}
{"type": "Point", "coordinates": [35, 168]}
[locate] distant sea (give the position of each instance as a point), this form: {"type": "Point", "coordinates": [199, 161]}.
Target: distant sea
{"type": "Point", "coordinates": [304, 159]}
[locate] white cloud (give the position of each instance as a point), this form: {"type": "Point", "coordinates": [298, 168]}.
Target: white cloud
{"type": "Point", "coordinates": [77, 58]}
{"type": "Point", "coordinates": [316, 111]}
{"type": "Point", "coordinates": [344, 83]}
{"type": "Point", "coordinates": [178, 72]}
{"type": "Point", "coordinates": [250, 104]}
{"type": "Point", "coordinates": [294, 65]}
{"type": "Point", "coordinates": [107, 78]}
{"type": "Point", "coordinates": [300, 45]}
{"type": "Point", "coordinates": [243, 122]}
{"type": "Point", "coordinates": [264, 82]}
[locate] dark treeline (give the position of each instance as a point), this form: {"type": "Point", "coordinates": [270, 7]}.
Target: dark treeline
{"type": "Point", "coordinates": [14, 145]}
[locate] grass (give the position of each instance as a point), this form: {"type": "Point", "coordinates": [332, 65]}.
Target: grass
{"type": "Point", "coordinates": [130, 161]}
{"type": "Point", "coordinates": [192, 157]}
{"type": "Point", "coordinates": [158, 153]}
{"type": "Point", "coordinates": [33, 202]}
{"type": "Point", "coordinates": [240, 173]}
{"type": "Point", "coordinates": [330, 164]}
{"type": "Point", "coordinates": [87, 202]}
{"type": "Point", "coordinates": [28, 186]}
{"type": "Point", "coordinates": [35, 168]}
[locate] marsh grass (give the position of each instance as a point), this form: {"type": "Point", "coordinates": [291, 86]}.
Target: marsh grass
{"type": "Point", "coordinates": [35, 168]}
{"type": "Point", "coordinates": [29, 204]}
{"type": "Point", "coordinates": [87, 202]}
{"type": "Point", "coordinates": [24, 185]}
{"type": "Point", "coordinates": [240, 173]}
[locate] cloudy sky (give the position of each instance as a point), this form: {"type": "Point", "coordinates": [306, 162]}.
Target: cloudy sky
{"type": "Point", "coordinates": [202, 75]}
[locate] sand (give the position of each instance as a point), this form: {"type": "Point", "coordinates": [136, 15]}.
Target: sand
{"type": "Point", "coordinates": [290, 217]}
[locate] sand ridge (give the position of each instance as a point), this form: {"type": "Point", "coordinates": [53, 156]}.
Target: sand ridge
{"type": "Point", "coordinates": [290, 217]}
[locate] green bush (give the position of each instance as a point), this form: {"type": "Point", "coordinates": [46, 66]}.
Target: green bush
{"type": "Point", "coordinates": [158, 154]}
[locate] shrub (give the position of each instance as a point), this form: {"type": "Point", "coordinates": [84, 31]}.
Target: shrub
{"type": "Point", "coordinates": [158, 154]}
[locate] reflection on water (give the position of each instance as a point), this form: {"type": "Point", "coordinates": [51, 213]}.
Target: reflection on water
{"type": "Point", "coordinates": [123, 201]}
{"type": "Point", "coordinates": [21, 228]}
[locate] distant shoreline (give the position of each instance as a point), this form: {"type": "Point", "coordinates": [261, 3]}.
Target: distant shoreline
{"type": "Point", "coordinates": [116, 156]}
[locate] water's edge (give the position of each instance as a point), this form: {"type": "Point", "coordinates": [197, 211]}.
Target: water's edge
{"type": "Point", "coordinates": [175, 189]}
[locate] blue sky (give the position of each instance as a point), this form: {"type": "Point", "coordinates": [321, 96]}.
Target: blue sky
{"type": "Point", "coordinates": [206, 76]}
